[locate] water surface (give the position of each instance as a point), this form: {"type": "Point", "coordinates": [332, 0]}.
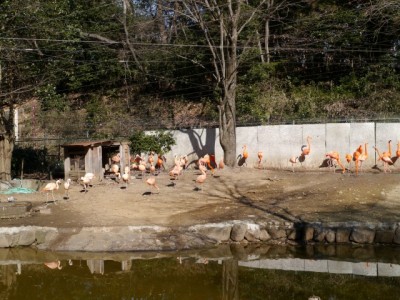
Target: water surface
{"type": "Point", "coordinates": [226, 272]}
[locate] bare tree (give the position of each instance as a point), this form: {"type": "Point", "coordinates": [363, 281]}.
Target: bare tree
{"type": "Point", "coordinates": [228, 19]}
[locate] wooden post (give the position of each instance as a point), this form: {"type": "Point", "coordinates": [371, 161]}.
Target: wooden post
{"type": "Point", "coordinates": [22, 169]}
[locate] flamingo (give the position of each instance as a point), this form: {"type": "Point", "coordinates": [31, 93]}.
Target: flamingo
{"type": "Point", "coordinates": [89, 175]}
{"type": "Point", "coordinates": [142, 168]}
{"type": "Point", "coordinates": [175, 172]}
{"type": "Point", "coordinates": [150, 159]}
{"type": "Point", "coordinates": [67, 185]}
{"type": "Point", "coordinates": [363, 156]}
{"type": "Point", "coordinates": [116, 158]}
{"type": "Point", "coordinates": [201, 178]}
{"type": "Point", "coordinates": [349, 158]}
{"type": "Point", "coordinates": [85, 182]}
{"type": "Point", "coordinates": [50, 187]}
{"type": "Point", "coordinates": [245, 152]}
{"type": "Point", "coordinates": [260, 157]}
{"type": "Point", "coordinates": [243, 157]}
{"type": "Point", "coordinates": [152, 182]}
{"type": "Point", "coordinates": [356, 157]}
{"type": "Point", "coordinates": [385, 158]}
{"type": "Point", "coordinates": [160, 161]}
{"type": "Point", "coordinates": [398, 149]}
{"type": "Point", "coordinates": [115, 170]}
{"type": "Point", "coordinates": [126, 176]}
{"type": "Point", "coordinates": [306, 149]}
{"type": "Point", "coordinates": [221, 164]}
{"type": "Point", "coordinates": [53, 265]}
{"type": "Point", "coordinates": [293, 161]}
{"type": "Point", "coordinates": [335, 157]}
{"type": "Point", "coordinates": [207, 160]}
{"type": "Point", "coordinates": [152, 169]}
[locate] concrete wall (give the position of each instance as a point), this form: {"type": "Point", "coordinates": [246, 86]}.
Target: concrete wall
{"type": "Point", "coordinates": [280, 142]}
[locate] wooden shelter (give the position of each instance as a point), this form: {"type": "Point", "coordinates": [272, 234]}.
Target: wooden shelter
{"type": "Point", "coordinates": [93, 157]}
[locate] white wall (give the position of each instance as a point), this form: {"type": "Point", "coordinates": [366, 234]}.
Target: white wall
{"type": "Point", "coordinates": [280, 142]}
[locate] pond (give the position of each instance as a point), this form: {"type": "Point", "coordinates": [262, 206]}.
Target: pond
{"type": "Point", "coordinates": [226, 272]}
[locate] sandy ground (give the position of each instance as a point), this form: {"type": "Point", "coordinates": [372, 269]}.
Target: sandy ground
{"type": "Point", "coordinates": [232, 194]}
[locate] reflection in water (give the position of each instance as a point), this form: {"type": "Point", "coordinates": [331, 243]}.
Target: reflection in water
{"type": "Point", "coordinates": [230, 273]}
{"type": "Point", "coordinates": [227, 272]}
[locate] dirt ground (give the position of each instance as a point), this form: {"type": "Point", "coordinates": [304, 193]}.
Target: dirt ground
{"type": "Point", "coordinates": [232, 194]}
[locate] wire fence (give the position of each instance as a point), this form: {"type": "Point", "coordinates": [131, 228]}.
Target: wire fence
{"type": "Point", "coordinates": [122, 130]}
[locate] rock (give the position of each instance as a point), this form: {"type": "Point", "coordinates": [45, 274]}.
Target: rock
{"type": "Point", "coordinates": [238, 231]}
{"type": "Point", "coordinates": [264, 235]}
{"type": "Point", "coordinates": [384, 236]}
{"type": "Point", "coordinates": [4, 240]}
{"type": "Point", "coordinates": [277, 233]}
{"type": "Point", "coordinates": [5, 185]}
{"type": "Point", "coordinates": [343, 235]}
{"type": "Point", "coordinates": [308, 233]}
{"type": "Point", "coordinates": [253, 233]}
{"type": "Point", "coordinates": [319, 234]}
{"type": "Point", "coordinates": [293, 235]}
{"type": "Point", "coordinates": [26, 238]}
{"type": "Point", "coordinates": [252, 236]}
{"type": "Point", "coordinates": [362, 235]}
{"type": "Point", "coordinates": [330, 236]}
{"type": "Point", "coordinates": [396, 238]}
{"type": "Point", "coordinates": [218, 233]}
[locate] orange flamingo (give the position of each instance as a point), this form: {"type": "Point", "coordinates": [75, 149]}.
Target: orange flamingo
{"type": "Point", "coordinates": [243, 156]}
{"type": "Point", "coordinates": [356, 157]}
{"type": "Point", "coordinates": [363, 156]}
{"type": "Point", "coordinates": [207, 160]}
{"type": "Point", "coordinates": [260, 157]}
{"type": "Point", "coordinates": [160, 161]}
{"type": "Point", "coordinates": [385, 158]}
{"type": "Point", "coordinates": [335, 158]}
{"type": "Point", "coordinates": [306, 149]}
{"type": "Point", "coordinates": [245, 152]}
{"type": "Point", "coordinates": [50, 187]}
{"type": "Point", "coordinates": [293, 161]}
{"type": "Point", "coordinates": [349, 158]}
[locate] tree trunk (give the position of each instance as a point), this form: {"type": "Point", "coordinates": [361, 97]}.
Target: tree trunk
{"type": "Point", "coordinates": [227, 126]}
{"type": "Point", "coordinates": [160, 22]}
{"type": "Point", "coordinates": [6, 149]}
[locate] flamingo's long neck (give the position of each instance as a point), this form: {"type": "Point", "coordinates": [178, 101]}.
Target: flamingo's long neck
{"type": "Point", "coordinates": [390, 148]}
{"type": "Point", "coordinates": [377, 151]}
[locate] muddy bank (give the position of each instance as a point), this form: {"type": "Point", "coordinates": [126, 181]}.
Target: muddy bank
{"type": "Point", "coordinates": [244, 206]}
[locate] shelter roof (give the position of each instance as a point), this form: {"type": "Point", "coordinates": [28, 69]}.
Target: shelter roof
{"type": "Point", "coordinates": [89, 143]}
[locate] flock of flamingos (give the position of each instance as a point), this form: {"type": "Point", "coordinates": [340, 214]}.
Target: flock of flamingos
{"type": "Point", "coordinates": [207, 163]}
